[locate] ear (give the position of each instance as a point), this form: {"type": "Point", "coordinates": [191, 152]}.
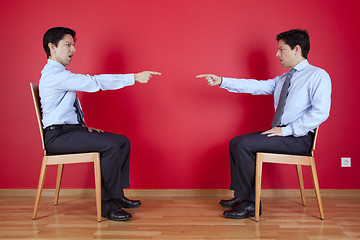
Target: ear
{"type": "Point", "coordinates": [298, 50]}
{"type": "Point", "coordinates": [51, 47]}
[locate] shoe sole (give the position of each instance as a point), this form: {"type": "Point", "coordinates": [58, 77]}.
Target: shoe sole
{"type": "Point", "coordinates": [227, 206]}
{"type": "Point", "coordinates": [230, 206]}
{"type": "Point", "coordinates": [130, 206]}
{"type": "Point", "coordinates": [235, 217]}
{"type": "Point", "coordinates": [116, 219]}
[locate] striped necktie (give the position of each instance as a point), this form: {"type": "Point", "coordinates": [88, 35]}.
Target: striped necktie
{"type": "Point", "coordinates": [282, 99]}
{"type": "Point", "coordinates": [79, 112]}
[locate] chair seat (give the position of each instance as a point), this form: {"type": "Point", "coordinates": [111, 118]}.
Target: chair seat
{"type": "Point", "coordinates": [285, 158]}
{"type": "Point", "coordinates": [70, 158]}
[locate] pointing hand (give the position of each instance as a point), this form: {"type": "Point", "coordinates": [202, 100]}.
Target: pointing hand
{"type": "Point", "coordinates": [213, 80]}
{"type": "Point", "coordinates": [144, 77]}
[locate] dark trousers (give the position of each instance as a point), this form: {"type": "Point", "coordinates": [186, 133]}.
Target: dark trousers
{"type": "Point", "coordinates": [243, 157]}
{"type": "Point", "coordinates": [114, 154]}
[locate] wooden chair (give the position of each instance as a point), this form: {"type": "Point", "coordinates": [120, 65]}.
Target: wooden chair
{"type": "Point", "coordinates": [60, 160]}
{"type": "Point", "coordinates": [288, 159]}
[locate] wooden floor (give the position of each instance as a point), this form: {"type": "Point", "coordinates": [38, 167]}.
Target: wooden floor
{"type": "Point", "coordinates": [179, 218]}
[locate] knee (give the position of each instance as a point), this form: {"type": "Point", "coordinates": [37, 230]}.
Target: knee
{"type": "Point", "coordinates": [116, 147]}
{"type": "Point", "coordinates": [124, 141]}
{"type": "Point", "coordinates": [236, 142]}
{"type": "Point", "coordinates": [120, 142]}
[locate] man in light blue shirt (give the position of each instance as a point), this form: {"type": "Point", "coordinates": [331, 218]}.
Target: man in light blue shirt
{"type": "Point", "coordinates": [64, 125]}
{"type": "Point", "coordinates": [305, 104]}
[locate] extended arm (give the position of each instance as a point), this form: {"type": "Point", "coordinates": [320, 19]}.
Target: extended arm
{"type": "Point", "coordinates": [67, 81]}
{"type": "Point", "coordinates": [251, 86]}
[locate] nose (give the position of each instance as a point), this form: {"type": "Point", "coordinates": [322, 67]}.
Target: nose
{"type": "Point", "coordinates": [278, 53]}
{"type": "Point", "coordinates": [73, 49]}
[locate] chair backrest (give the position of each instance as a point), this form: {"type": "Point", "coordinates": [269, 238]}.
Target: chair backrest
{"type": "Point", "coordinates": [37, 104]}
{"type": "Point", "coordinates": [314, 142]}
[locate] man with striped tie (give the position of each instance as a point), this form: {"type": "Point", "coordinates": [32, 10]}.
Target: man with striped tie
{"type": "Point", "coordinates": [302, 100]}
{"type": "Point", "coordinates": [63, 120]}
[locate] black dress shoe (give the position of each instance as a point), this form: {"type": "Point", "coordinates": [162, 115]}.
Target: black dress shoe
{"type": "Point", "coordinates": [243, 210]}
{"type": "Point", "coordinates": [113, 211]}
{"type": "Point", "coordinates": [230, 203]}
{"type": "Point", "coordinates": [127, 203]}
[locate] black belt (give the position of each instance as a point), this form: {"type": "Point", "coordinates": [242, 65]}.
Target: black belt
{"type": "Point", "coordinates": [52, 127]}
{"type": "Point", "coordinates": [59, 126]}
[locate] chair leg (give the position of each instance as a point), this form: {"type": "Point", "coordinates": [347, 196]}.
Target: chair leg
{"type": "Point", "coordinates": [258, 174]}
{"type": "Point", "coordinates": [97, 170]}
{"type": "Point", "coordinates": [40, 186]}
{"type": "Point", "coordinates": [316, 187]}
{"type": "Point", "coordinates": [301, 183]}
{"type": "Point", "coordinates": [58, 183]}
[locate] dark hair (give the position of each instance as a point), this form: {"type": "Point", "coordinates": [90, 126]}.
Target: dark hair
{"type": "Point", "coordinates": [296, 37]}
{"type": "Point", "coordinates": [54, 35]}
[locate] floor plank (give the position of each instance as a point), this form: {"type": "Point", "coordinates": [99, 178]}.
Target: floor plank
{"type": "Point", "coordinates": [180, 218]}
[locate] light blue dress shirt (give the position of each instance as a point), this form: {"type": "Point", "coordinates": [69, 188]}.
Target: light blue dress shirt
{"type": "Point", "coordinates": [58, 88]}
{"type": "Point", "coordinates": [307, 104]}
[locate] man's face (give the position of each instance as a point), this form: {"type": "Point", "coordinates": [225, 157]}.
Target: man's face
{"type": "Point", "coordinates": [64, 52]}
{"type": "Point", "coordinates": [286, 55]}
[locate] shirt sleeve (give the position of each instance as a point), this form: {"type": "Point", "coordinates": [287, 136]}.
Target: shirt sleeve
{"type": "Point", "coordinates": [68, 81]}
{"type": "Point", "coordinates": [320, 92]}
{"type": "Point", "coordinates": [252, 86]}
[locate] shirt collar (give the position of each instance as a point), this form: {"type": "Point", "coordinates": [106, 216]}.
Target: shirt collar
{"type": "Point", "coordinates": [301, 65]}
{"type": "Point", "coordinates": [56, 64]}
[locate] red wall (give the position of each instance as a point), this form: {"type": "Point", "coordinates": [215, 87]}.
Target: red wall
{"type": "Point", "coordinates": [179, 126]}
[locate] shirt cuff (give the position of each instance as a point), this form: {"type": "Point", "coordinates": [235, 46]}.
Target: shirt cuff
{"type": "Point", "coordinates": [286, 131]}
{"type": "Point", "coordinates": [129, 79]}
{"type": "Point", "coordinates": [226, 83]}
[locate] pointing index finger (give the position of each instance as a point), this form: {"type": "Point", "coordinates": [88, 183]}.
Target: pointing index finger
{"type": "Point", "coordinates": [154, 73]}
{"type": "Point", "coordinates": [202, 75]}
